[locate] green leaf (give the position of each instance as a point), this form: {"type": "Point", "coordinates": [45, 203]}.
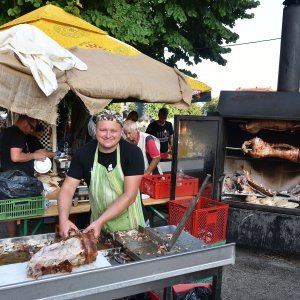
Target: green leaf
{"type": "Point", "coordinates": [20, 2]}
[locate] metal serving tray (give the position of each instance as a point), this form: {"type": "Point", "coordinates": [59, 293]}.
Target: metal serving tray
{"type": "Point", "coordinates": [145, 248]}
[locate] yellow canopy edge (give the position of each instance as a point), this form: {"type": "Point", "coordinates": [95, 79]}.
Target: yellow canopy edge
{"type": "Point", "coordinates": [197, 85]}
{"type": "Point", "coordinates": [70, 31]}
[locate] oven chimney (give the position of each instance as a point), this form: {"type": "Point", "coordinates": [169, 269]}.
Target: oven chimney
{"type": "Point", "coordinates": [289, 63]}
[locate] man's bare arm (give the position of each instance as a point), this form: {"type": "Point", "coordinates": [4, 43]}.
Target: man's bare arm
{"type": "Point", "coordinates": [171, 141]}
{"type": "Point", "coordinates": [45, 153]}
{"type": "Point", "coordinates": [65, 197]}
{"type": "Point", "coordinates": [17, 155]}
{"type": "Point", "coordinates": [153, 164]}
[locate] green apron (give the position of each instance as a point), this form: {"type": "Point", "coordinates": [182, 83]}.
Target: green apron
{"type": "Point", "coordinates": [105, 188]}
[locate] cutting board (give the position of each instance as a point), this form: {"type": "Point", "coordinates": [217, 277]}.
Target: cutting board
{"type": "Point", "coordinates": [16, 273]}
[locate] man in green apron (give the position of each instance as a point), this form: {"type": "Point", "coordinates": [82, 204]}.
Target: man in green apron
{"type": "Point", "coordinates": [113, 170]}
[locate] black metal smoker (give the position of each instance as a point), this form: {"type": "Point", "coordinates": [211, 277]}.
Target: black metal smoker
{"type": "Point", "coordinates": [212, 145]}
{"type": "Point", "coordinates": [261, 226]}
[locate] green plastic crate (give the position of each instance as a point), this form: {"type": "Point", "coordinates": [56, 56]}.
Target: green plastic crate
{"type": "Point", "coordinates": [22, 207]}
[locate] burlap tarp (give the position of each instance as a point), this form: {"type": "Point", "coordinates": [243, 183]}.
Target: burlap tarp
{"type": "Point", "coordinates": [115, 70]}
{"type": "Point", "coordinates": [109, 76]}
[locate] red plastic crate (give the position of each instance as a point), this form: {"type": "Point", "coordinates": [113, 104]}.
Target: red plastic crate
{"type": "Point", "coordinates": [207, 222]}
{"type": "Point", "coordinates": [159, 186]}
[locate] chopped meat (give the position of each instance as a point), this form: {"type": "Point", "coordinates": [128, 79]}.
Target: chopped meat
{"type": "Point", "coordinates": [63, 256]}
{"type": "Point", "coordinates": [278, 125]}
{"type": "Point", "coordinates": [258, 148]}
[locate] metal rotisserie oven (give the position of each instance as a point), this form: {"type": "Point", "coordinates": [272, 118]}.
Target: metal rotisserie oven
{"type": "Point", "coordinates": [262, 187]}
{"type": "Point", "coordinates": [261, 174]}
{"type": "Point", "coordinates": [261, 153]}
{"type": "Point", "coordinates": [252, 151]}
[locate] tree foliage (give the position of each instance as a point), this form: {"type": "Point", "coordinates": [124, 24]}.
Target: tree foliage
{"type": "Point", "coordinates": [211, 106]}
{"type": "Point", "coordinates": [115, 107]}
{"type": "Point", "coordinates": [189, 30]}
{"type": "Point", "coordinates": [153, 108]}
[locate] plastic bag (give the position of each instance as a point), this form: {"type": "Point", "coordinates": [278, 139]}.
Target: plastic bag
{"type": "Point", "coordinates": [17, 184]}
{"type": "Point", "coordinates": [196, 293]}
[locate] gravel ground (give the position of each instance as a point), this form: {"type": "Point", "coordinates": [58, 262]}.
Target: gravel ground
{"type": "Point", "coordinates": [261, 276]}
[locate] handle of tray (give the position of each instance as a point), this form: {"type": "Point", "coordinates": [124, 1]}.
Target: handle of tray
{"type": "Point", "coordinates": [187, 214]}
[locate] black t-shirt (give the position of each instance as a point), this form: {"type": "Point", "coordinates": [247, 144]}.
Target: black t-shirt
{"type": "Point", "coordinates": [162, 132]}
{"type": "Point", "coordinates": [33, 143]}
{"type": "Point", "coordinates": [14, 138]}
{"type": "Point", "coordinates": [132, 161]}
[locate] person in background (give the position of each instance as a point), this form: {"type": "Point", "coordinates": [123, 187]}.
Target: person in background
{"type": "Point", "coordinates": [16, 155]}
{"type": "Point", "coordinates": [146, 143]}
{"type": "Point", "coordinates": [163, 130]}
{"type": "Point", "coordinates": [34, 144]}
{"type": "Point", "coordinates": [133, 115]}
{"type": "Point", "coordinates": [113, 169]}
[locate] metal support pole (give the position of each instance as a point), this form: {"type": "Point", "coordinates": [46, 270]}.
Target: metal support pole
{"type": "Point", "coordinates": [289, 64]}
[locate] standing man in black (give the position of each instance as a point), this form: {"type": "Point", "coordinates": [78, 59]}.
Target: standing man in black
{"type": "Point", "coordinates": [163, 130]}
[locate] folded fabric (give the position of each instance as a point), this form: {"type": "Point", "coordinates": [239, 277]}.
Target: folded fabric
{"type": "Point", "coordinates": [40, 53]}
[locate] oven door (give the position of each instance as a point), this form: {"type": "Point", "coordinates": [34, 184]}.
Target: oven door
{"type": "Point", "coordinates": [197, 151]}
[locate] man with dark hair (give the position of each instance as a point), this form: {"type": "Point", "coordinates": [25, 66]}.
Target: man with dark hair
{"type": "Point", "coordinates": [163, 130]}
{"type": "Point", "coordinates": [34, 144]}
{"type": "Point", "coordinates": [113, 169]}
{"type": "Point", "coordinates": [16, 154]}
{"type": "Point", "coordinates": [15, 151]}
{"type": "Point", "coordinates": [133, 115]}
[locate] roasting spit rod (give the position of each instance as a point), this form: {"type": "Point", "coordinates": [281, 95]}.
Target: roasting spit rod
{"type": "Point", "coordinates": [233, 148]}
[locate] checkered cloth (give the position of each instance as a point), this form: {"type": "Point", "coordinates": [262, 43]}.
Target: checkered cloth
{"type": "Point", "coordinates": [46, 138]}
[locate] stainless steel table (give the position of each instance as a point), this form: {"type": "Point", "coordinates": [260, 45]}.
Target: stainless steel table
{"type": "Point", "coordinates": [128, 279]}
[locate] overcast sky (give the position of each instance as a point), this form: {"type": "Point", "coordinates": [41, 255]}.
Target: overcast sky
{"type": "Point", "coordinates": [252, 65]}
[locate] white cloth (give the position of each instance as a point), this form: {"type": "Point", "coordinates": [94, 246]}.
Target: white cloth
{"type": "Point", "coordinates": [92, 128]}
{"type": "Point", "coordinates": [142, 145]}
{"type": "Point", "coordinates": [40, 53]}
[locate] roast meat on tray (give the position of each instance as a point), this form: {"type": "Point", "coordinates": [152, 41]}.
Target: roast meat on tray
{"type": "Point", "coordinates": [62, 256]}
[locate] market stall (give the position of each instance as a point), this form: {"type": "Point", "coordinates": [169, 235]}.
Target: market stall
{"type": "Point", "coordinates": [106, 69]}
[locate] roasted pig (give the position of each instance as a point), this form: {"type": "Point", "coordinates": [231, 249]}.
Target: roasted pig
{"type": "Point", "coordinates": [77, 250]}
{"type": "Point", "coordinates": [258, 148]}
{"type": "Point", "coordinates": [256, 125]}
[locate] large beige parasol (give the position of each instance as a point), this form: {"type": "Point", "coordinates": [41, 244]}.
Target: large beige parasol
{"type": "Point", "coordinates": [115, 70]}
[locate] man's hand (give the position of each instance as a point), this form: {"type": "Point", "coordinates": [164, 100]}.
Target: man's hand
{"type": "Point", "coordinates": [65, 227]}
{"type": "Point", "coordinates": [39, 156]}
{"type": "Point", "coordinates": [96, 226]}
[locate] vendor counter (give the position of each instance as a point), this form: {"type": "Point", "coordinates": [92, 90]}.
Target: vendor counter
{"type": "Point", "coordinates": [52, 211]}
{"type": "Point", "coordinates": [84, 207]}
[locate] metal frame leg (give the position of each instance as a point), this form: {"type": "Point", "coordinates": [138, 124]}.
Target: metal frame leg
{"type": "Point", "coordinates": [168, 293]}
{"type": "Point", "coordinates": [35, 229]}
{"type": "Point", "coordinates": [217, 285]}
